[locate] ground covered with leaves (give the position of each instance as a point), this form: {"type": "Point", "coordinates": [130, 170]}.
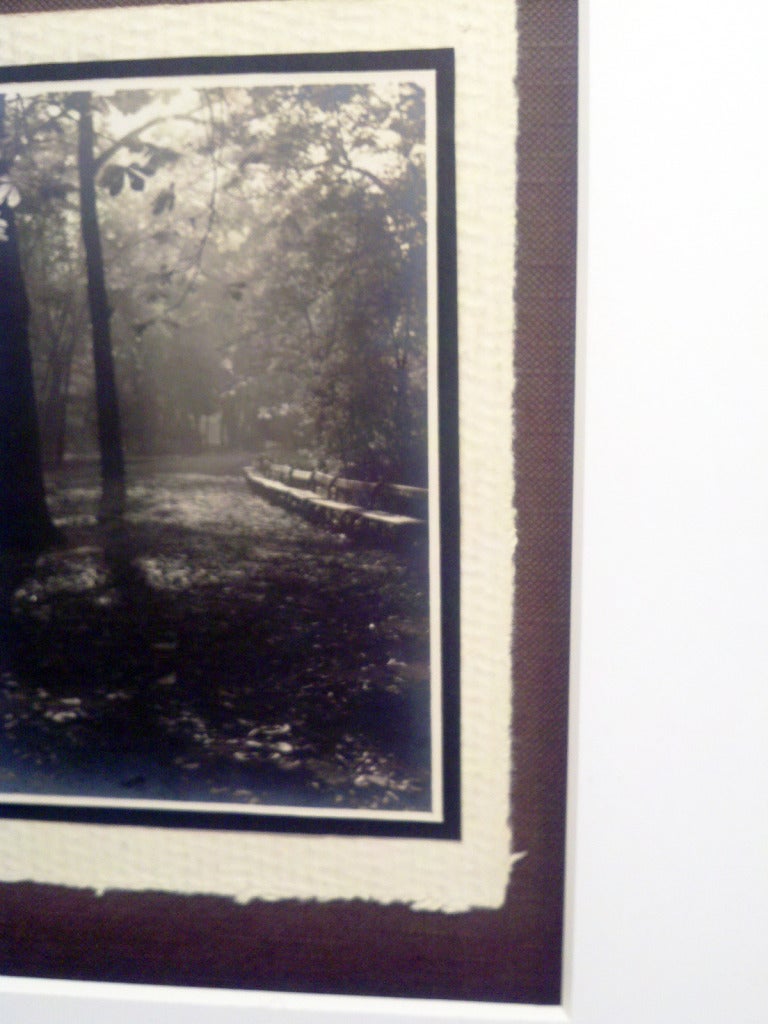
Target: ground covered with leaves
{"type": "Point", "coordinates": [213, 647]}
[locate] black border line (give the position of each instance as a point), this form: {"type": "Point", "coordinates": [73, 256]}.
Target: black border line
{"type": "Point", "coordinates": [439, 60]}
{"type": "Point", "coordinates": [442, 62]}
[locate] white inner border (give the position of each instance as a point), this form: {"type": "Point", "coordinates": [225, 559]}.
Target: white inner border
{"type": "Point", "coordinates": [429, 874]}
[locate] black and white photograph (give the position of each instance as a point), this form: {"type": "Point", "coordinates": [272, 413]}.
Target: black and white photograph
{"type": "Point", "coordinates": [228, 490]}
{"type": "Point", "coordinates": [288, 419]}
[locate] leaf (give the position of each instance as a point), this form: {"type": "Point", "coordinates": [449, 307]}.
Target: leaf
{"type": "Point", "coordinates": [9, 194]}
{"type": "Point", "coordinates": [135, 178]}
{"type": "Point", "coordinates": [159, 156]}
{"type": "Point", "coordinates": [164, 200]}
{"type": "Point", "coordinates": [130, 101]}
{"type": "Point", "coordinates": [112, 178]}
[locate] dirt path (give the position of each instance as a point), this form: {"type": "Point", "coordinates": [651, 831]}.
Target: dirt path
{"type": "Point", "coordinates": [216, 648]}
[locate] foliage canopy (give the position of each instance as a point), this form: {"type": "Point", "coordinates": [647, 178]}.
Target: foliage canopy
{"type": "Point", "coordinates": [265, 254]}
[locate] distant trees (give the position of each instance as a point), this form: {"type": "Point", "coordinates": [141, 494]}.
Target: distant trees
{"type": "Point", "coordinates": [62, 154]}
{"type": "Point", "coordinates": [338, 289]}
{"type": "Point", "coordinates": [253, 253]}
{"type": "Point", "coordinates": [24, 520]}
{"type": "Point", "coordinates": [58, 323]}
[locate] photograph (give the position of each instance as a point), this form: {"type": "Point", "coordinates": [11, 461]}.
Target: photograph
{"type": "Point", "coordinates": [288, 421]}
{"type": "Point", "coordinates": [229, 512]}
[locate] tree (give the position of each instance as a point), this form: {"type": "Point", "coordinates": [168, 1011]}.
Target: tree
{"type": "Point", "coordinates": [338, 286]}
{"type": "Point", "coordinates": [25, 522]}
{"type": "Point", "coordinates": [58, 140]}
{"type": "Point", "coordinates": [52, 264]}
{"type": "Point", "coordinates": [107, 404]}
{"type": "Point", "coordinates": [266, 255]}
{"type": "Point", "coordinates": [156, 251]}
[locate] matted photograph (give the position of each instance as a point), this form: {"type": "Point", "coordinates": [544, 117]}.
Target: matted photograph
{"type": "Point", "coordinates": [230, 519]}
{"type": "Point", "coordinates": [287, 429]}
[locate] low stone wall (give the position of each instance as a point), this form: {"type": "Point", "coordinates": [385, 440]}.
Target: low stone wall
{"type": "Point", "coordinates": [390, 513]}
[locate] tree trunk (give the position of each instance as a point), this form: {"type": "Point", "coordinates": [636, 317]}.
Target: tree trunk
{"type": "Point", "coordinates": [107, 404]}
{"type": "Point", "coordinates": [25, 523]}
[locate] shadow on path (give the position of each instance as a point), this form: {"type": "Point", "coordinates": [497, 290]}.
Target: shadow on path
{"type": "Point", "coordinates": [207, 646]}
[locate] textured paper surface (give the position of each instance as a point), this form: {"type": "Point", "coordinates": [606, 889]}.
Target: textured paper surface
{"type": "Point", "coordinates": [429, 874]}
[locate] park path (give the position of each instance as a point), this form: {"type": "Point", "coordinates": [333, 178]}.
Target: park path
{"type": "Point", "coordinates": [214, 647]}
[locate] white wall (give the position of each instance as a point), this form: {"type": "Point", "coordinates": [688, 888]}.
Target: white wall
{"type": "Point", "coordinates": [671, 893]}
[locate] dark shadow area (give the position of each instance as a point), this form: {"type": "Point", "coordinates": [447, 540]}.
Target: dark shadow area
{"type": "Point", "coordinates": [211, 647]}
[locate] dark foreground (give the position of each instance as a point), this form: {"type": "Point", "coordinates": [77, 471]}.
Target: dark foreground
{"type": "Point", "coordinates": [213, 647]}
